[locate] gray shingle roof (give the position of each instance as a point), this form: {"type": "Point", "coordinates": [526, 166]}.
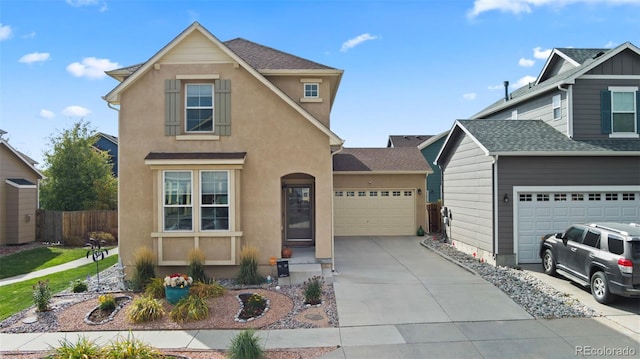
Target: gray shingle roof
{"type": "Point", "coordinates": [406, 140]}
{"type": "Point", "coordinates": [581, 55]}
{"type": "Point", "coordinates": [266, 58]}
{"type": "Point", "coordinates": [397, 159]}
{"type": "Point", "coordinates": [500, 136]}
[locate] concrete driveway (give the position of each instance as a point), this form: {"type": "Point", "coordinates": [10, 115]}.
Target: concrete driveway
{"type": "Point", "coordinates": [397, 299]}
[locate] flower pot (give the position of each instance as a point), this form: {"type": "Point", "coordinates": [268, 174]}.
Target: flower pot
{"type": "Point", "coordinates": [286, 252]}
{"type": "Point", "coordinates": [174, 294]}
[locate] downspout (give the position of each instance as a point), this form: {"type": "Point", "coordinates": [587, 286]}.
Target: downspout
{"type": "Point", "coordinates": [333, 234]}
{"type": "Point", "coordinates": [496, 204]}
{"type": "Point", "coordinates": [569, 109]}
{"type": "Point", "coordinates": [121, 266]}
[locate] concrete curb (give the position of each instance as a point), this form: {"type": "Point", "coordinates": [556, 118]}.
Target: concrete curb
{"type": "Point", "coordinates": [422, 243]}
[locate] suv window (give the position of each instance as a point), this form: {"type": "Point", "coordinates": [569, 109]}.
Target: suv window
{"type": "Point", "coordinates": [616, 244]}
{"type": "Point", "coordinates": [635, 250]}
{"type": "Point", "coordinates": [574, 234]}
{"type": "Point", "coordinates": [592, 239]}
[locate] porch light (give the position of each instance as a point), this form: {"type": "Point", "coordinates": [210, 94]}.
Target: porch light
{"type": "Point", "coordinates": [505, 198]}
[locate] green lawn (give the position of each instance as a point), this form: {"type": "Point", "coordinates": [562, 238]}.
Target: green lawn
{"type": "Point", "coordinates": [18, 296]}
{"type": "Point", "coordinates": [38, 258]}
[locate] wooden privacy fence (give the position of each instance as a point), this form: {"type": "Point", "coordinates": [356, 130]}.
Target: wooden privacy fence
{"type": "Point", "coordinates": [434, 218]}
{"type": "Point", "coordinates": [73, 226]}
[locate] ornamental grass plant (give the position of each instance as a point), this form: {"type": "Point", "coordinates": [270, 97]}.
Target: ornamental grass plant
{"type": "Point", "coordinates": [246, 345]}
{"type": "Point", "coordinates": [155, 288]}
{"type": "Point", "coordinates": [144, 260]}
{"type": "Point", "coordinates": [207, 290]}
{"type": "Point", "coordinates": [190, 308]}
{"type": "Point", "coordinates": [145, 309]}
{"type": "Point", "coordinates": [196, 265]}
{"type": "Point", "coordinates": [248, 274]}
{"type": "Point", "coordinates": [82, 348]}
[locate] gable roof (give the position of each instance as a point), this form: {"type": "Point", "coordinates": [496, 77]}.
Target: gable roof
{"type": "Point", "coordinates": [110, 138]}
{"type": "Point", "coordinates": [532, 138]}
{"type": "Point", "coordinates": [406, 140]}
{"type": "Point", "coordinates": [432, 140]}
{"type": "Point", "coordinates": [22, 157]}
{"type": "Point", "coordinates": [381, 160]}
{"type": "Point", "coordinates": [113, 97]}
{"type": "Point", "coordinates": [547, 81]}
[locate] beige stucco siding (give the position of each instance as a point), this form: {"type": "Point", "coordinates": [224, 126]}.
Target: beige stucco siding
{"type": "Point", "coordinates": [467, 192]}
{"type": "Point", "coordinates": [277, 140]}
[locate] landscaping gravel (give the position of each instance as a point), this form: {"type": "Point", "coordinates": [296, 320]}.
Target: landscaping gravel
{"type": "Point", "coordinates": [537, 298]}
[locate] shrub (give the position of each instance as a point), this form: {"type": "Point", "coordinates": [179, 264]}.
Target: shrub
{"type": "Point", "coordinates": [81, 349]}
{"type": "Point", "coordinates": [107, 302]}
{"type": "Point", "coordinates": [313, 290]}
{"type": "Point", "coordinates": [196, 265]}
{"type": "Point", "coordinates": [155, 288]}
{"type": "Point", "coordinates": [79, 286]}
{"type": "Point", "coordinates": [190, 308]}
{"type": "Point", "coordinates": [249, 266]}
{"type": "Point", "coordinates": [246, 345]}
{"type": "Point", "coordinates": [145, 309]}
{"type": "Point", "coordinates": [42, 295]}
{"type": "Point", "coordinates": [206, 290]}
{"type": "Point", "coordinates": [103, 236]}
{"type": "Point", "coordinates": [129, 348]}
{"type": "Point", "coordinates": [145, 264]}
{"type": "Point", "coordinates": [254, 305]}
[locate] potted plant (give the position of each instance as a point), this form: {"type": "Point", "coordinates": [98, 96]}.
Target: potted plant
{"type": "Point", "coordinates": [176, 286]}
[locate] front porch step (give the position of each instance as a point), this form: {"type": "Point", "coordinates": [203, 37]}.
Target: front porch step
{"type": "Point", "coordinates": [299, 273]}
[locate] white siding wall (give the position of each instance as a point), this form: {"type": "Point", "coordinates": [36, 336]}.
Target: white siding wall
{"type": "Point", "coordinates": [467, 193]}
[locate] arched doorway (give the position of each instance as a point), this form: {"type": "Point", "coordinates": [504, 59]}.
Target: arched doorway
{"type": "Point", "coordinates": [298, 209]}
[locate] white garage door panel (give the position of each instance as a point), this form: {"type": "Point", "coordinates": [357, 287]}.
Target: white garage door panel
{"type": "Point", "coordinates": [360, 213]}
{"type": "Point", "coordinates": [548, 212]}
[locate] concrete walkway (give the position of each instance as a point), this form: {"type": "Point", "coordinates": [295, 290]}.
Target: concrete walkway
{"type": "Point", "coordinates": [398, 299]}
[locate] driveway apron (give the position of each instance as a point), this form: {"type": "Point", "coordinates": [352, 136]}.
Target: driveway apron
{"type": "Point", "coordinates": [394, 280]}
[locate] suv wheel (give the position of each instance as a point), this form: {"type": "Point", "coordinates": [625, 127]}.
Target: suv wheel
{"type": "Point", "coordinates": [549, 262]}
{"type": "Point", "coordinates": [600, 288]}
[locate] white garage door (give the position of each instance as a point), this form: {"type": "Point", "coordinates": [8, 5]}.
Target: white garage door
{"type": "Point", "coordinates": [539, 213]}
{"type": "Point", "coordinates": [385, 212]}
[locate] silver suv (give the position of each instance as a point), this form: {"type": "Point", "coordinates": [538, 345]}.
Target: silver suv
{"type": "Point", "coordinates": [604, 256]}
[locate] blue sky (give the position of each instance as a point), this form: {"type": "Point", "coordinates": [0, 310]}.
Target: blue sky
{"type": "Point", "coordinates": [410, 67]}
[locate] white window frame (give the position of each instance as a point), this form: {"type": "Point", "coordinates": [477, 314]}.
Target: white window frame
{"type": "Point", "coordinates": [214, 205]}
{"type": "Point", "coordinates": [627, 89]}
{"type": "Point", "coordinates": [187, 107]}
{"type": "Point", "coordinates": [556, 105]}
{"type": "Point", "coordinates": [311, 90]}
{"type": "Point", "coordinates": [177, 205]}
{"type": "Point", "coordinates": [514, 114]}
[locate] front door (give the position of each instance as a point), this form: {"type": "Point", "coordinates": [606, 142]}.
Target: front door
{"type": "Point", "coordinates": [298, 213]}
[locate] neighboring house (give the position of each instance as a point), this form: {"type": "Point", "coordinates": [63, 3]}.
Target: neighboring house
{"type": "Point", "coordinates": [406, 140]}
{"type": "Point", "coordinates": [563, 149]}
{"type": "Point", "coordinates": [379, 191]}
{"type": "Point", "coordinates": [224, 145]}
{"type": "Point", "coordinates": [18, 196]}
{"type": "Point", "coordinates": [430, 149]}
{"type": "Point", "coordinates": [109, 144]}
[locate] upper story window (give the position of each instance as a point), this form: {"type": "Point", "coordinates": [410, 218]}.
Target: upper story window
{"type": "Point", "coordinates": [311, 90]}
{"type": "Point", "coordinates": [556, 105]}
{"type": "Point", "coordinates": [199, 108]}
{"type": "Point", "coordinates": [619, 111]}
{"type": "Point", "coordinates": [514, 114]}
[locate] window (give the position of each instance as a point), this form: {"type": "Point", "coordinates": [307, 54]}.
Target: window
{"type": "Point", "coordinates": [177, 203]}
{"type": "Point", "coordinates": [408, 193]}
{"type": "Point", "coordinates": [351, 194]}
{"type": "Point", "coordinates": [619, 111]}
{"type": "Point", "coordinates": [594, 196]}
{"type": "Point", "coordinates": [199, 108]}
{"type": "Point", "coordinates": [373, 194]}
{"type": "Point", "coordinates": [214, 200]}
{"type": "Point", "coordinates": [514, 114]}
{"type": "Point", "coordinates": [339, 194]}
{"type": "Point", "coordinates": [362, 194]}
{"type": "Point", "coordinates": [384, 193]}
{"type": "Point", "coordinates": [556, 105]}
{"type": "Point", "coordinates": [577, 197]}
{"type": "Point", "coordinates": [592, 239]}
{"type": "Point", "coordinates": [396, 193]}
{"type": "Point", "coordinates": [542, 197]}
{"type": "Point", "coordinates": [559, 197]}
{"type": "Point", "coordinates": [615, 244]}
{"type": "Point", "coordinates": [526, 198]}
{"type": "Point", "coordinates": [574, 234]}
{"type": "Point", "coordinates": [311, 90]}
{"type": "Point", "coordinates": [611, 196]}
{"type": "Point", "coordinates": [628, 196]}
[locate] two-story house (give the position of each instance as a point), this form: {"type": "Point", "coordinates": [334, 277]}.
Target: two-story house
{"type": "Point", "coordinates": [228, 144]}
{"type": "Point", "coordinates": [561, 150]}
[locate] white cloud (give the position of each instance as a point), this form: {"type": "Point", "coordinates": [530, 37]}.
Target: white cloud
{"type": "Point", "coordinates": [92, 67]}
{"type": "Point", "coordinates": [525, 6]}
{"type": "Point", "coordinates": [470, 96]}
{"type": "Point", "coordinates": [610, 45]}
{"type": "Point", "coordinates": [76, 111]}
{"type": "Point", "coordinates": [44, 113]}
{"type": "Point", "coordinates": [526, 62]}
{"type": "Point", "coordinates": [540, 53]}
{"type": "Point", "coordinates": [524, 81]}
{"type": "Point", "coordinates": [78, 3]}
{"type": "Point", "coordinates": [5, 32]}
{"type": "Point", "coordinates": [35, 57]}
{"type": "Point", "coordinates": [351, 43]}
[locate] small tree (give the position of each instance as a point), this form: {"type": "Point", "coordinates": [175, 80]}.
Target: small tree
{"type": "Point", "coordinates": [79, 176]}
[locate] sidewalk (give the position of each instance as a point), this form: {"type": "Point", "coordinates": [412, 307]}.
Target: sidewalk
{"type": "Point", "coordinates": [59, 268]}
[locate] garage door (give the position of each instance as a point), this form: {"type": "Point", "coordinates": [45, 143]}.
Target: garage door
{"type": "Point", "coordinates": [539, 213]}
{"type": "Point", "coordinates": [374, 212]}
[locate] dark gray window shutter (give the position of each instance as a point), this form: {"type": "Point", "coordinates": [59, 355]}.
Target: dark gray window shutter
{"type": "Point", "coordinates": [222, 103]}
{"type": "Point", "coordinates": [637, 112]}
{"type": "Point", "coordinates": [605, 112]}
{"type": "Point", "coordinates": [172, 107]}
